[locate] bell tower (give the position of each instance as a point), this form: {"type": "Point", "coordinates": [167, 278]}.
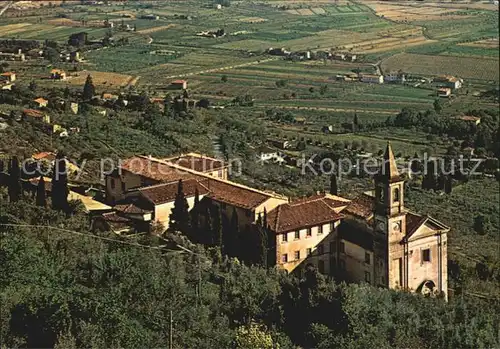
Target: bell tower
{"type": "Point", "coordinates": [389, 223]}
{"type": "Point", "coordinates": [389, 199]}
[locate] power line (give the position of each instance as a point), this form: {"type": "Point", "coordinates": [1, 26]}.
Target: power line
{"type": "Point", "coordinates": [161, 248]}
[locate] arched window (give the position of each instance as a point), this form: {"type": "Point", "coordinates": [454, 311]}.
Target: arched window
{"type": "Point", "coordinates": [395, 195]}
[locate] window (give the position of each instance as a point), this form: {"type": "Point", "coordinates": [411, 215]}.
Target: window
{"type": "Point", "coordinates": [367, 258]}
{"type": "Point", "coordinates": [426, 255]}
{"type": "Point", "coordinates": [248, 213]}
{"type": "Point", "coordinates": [309, 251]}
{"type": "Point", "coordinates": [320, 249]}
{"type": "Point", "coordinates": [112, 183]}
{"type": "Point", "coordinates": [297, 234]}
{"type": "Point", "coordinates": [124, 188]}
{"type": "Point", "coordinates": [332, 247]}
{"type": "Point", "coordinates": [309, 232]}
{"type": "Point", "coordinates": [332, 226]}
{"type": "Point", "coordinates": [321, 266]}
{"type": "Point", "coordinates": [367, 277]}
{"type": "Point", "coordinates": [285, 237]}
{"type": "Point", "coordinates": [297, 255]}
{"type": "Point", "coordinates": [395, 195]}
{"type": "Point", "coordinates": [219, 174]}
{"type": "Point", "coordinates": [284, 258]}
{"type": "Point", "coordinates": [222, 205]}
{"type": "Point", "coordinates": [320, 230]}
{"type": "Point", "coordinates": [342, 247]}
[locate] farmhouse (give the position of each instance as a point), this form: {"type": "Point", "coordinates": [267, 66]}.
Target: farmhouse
{"type": "Point", "coordinates": [395, 77]}
{"type": "Point", "coordinates": [449, 81]}
{"type": "Point", "coordinates": [444, 92]}
{"type": "Point", "coordinates": [36, 115]}
{"type": "Point", "coordinates": [57, 74]}
{"type": "Point", "coordinates": [470, 119]}
{"type": "Point", "coordinates": [8, 77]}
{"type": "Point", "coordinates": [179, 84]}
{"type": "Point", "coordinates": [41, 102]}
{"type": "Point", "coordinates": [372, 78]}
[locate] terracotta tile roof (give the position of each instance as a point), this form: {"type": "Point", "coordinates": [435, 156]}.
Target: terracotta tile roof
{"type": "Point", "coordinates": [303, 213]}
{"type": "Point", "coordinates": [163, 193]}
{"type": "Point", "coordinates": [198, 163]}
{"type": "Point", "coordinates": [178, 81]}
{"type": "Point", "coordinates": [361, 207]}
{"type": "Point", "coordinates": [33, 113]}
{"type": "Point", "coordinates": [233, 194]}
{"type": "Point", "coordinates": [41, 100]}
{"type": "Point", "coordinates": [154, 170]}
{"type": "Point", "coordinates": [468, 118]}
{"type": "Point", "coordinates": [219, 190]}
{"type": "Point", "coordinates": [46, 155]}
{"type": "Point", "coordinates": [57, 71]}
{"type": "Point", "coordinates": [117, 222]}
{"type": "Point", "coordinates": [130, 209]}
{"type": "Point", "coordinates": [9, 73]}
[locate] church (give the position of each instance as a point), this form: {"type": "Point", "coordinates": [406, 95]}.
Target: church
{"type": "Point", "coordinates": [373, 238]}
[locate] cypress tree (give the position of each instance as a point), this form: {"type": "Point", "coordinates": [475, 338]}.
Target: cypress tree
{"type": "Point", "coordinates": [88, 89]}
{"type": "Point", "coordinates": [333, 184]}
{"type": "Point", "coordinates": [60, 189]}
{"type": "Point", "coordinates": [355, 122]}
{"type": "Point", "coordinates": [208, 233]}
{"type": "Point", "coordinates": [41, 197]}
{"type": "Point", "coordinates": [234, 231]}
{"type": "Point", "coordinates": [261, 242]}
{"type": "Point", "coordinates": [14, 188]}
{"type": "Point", "coordinates": [1, 166]}
{"type": "Point", "coordinates": [217, 226]}
{"type": "Point", "coordinates": [179, 217]}
{"type": "Point", "coordinates": [448, 185]}
{"type": "Point", "coordinates": [195, 215]}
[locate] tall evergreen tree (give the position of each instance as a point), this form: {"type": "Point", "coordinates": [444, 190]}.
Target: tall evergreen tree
{"type": "Point", "coordinates": [217, 227]}
{"type": "Point", "coordinates": [60, 191]}
{"type": "Point", "coordinates": [208, 229]}
{"type": "Point", "coordinates": [234, 237]}
{"type": "Point", "coordinates": [333, 184]}
{"type": "Point", "coordinates": [355, 122]}
{"type": "Point", "coordinates": [448, 186]}
{"type": "Point", "coordinates": [41, 196]}
{"type": "Point", "coordinates": [261, 240]}
{"type": "Point", "coordinates": [88, 89]}
{"type": "Point", "coordinates": [2, 165]}
{"type": "Point", "coordinates": [179, 217]}
{"type": "Point", "coordinates": [14, 188]}
{"type": "Point", "coordinates": [195, 214]}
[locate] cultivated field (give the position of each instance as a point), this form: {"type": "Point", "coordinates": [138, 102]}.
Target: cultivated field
{"type": "Point", "coordinates": [102, 79]}
{"type": "Point", "coordinates": [487, 43]}
{"type": "Point", "coordinates": [464, 67]}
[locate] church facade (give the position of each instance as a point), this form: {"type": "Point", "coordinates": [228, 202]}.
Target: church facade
{"type": "Point", "coordinates": [373, 238]}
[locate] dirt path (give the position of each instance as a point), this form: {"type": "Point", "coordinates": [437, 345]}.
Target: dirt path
{"type": "Point", "coordinates": [213, 70]}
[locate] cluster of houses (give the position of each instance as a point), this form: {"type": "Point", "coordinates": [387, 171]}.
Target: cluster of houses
{"type": "Point", "coordinates": [308, 55]}
{"type": "Point", "coordinates": [372, 238]}
{"type": "Point", "coordinates": [392, 77]}
{"type": "Point", "coordinates": [212, 33]}
{"type": "Point", "coordinates": [447, 84]}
